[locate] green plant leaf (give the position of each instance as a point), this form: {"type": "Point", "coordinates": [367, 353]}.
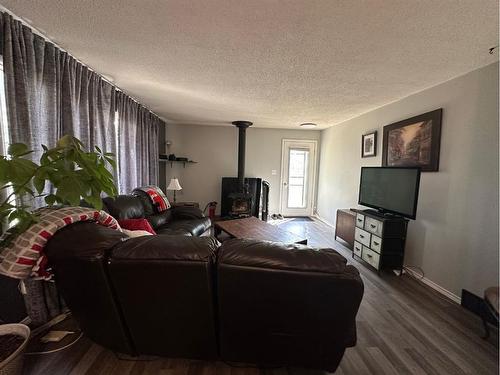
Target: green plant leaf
{"type": "Point", "coordinates": [17, 149]}
{"type": "Point", "coordinates": [39, 182]}
{"type": "Point", "coordinates": [65, 141]}
{"type": "Point", "coordinates": [4, 167]}
{"type": "Point", "coordinates": [20, 172]}
{"type": "Point", "coordinates": [73, 172]}
{"type": "Point", "coordinates": [50, 199]}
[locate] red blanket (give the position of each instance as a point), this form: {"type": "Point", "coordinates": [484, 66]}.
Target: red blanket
{"type": "Point", "coordinates": [24, 256]}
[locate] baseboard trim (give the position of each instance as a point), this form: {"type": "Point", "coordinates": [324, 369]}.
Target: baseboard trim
{"type": "Point", "coordinates": [323, 220]}
{"type": "Point", "coordinates": [416, 275]}
{"type": "Point", "coordinates": [433, 285]}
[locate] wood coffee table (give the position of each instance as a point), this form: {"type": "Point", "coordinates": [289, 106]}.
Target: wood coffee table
{"type": "Point", "coordinates": [251, 227]}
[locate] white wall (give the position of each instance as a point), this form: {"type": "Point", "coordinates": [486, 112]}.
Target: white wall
{"type": "Point", "coordinates": [455, 236]}
{"type": "Point", "coordinates": [215, 149]}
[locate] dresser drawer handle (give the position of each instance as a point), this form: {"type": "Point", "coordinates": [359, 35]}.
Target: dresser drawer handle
{"type": "Point", "coordinates": [375, 243]}
{"type": "Point", "coordinates": [360, 220]}
{"type": "Point", "coordinates": [373, 226]}
{"type": "Point", "coordinates": [361, 236]}
{"type": "Point", "coordinates": [369, 255]}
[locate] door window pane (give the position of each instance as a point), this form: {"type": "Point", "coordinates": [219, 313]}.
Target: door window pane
{"type": "Point", "coordinates": [297, 177]}
{"type": "Point", "coordinates": [296, 181]}
{"type": "Point", "coordinates": [295, 196]}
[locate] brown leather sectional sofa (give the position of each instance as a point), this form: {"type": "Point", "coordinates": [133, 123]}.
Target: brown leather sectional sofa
{"type": "Point", "coordinates": [189, 296]}
{"type": "Point", "coordinates": [182, 220]}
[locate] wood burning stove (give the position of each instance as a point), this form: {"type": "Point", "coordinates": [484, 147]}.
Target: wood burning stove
{"type": "Point", "coordinates": [241, 205]}
{"type": "Point", "coordinates": [240, 198]}
{"type": "Point", "coordinates": [230, 190]}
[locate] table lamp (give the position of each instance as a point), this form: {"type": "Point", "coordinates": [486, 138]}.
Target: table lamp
{"type": "Point", "coordinates": [174, 185]}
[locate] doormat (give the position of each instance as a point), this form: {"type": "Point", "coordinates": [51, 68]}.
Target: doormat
{"type": "Point", "coordinates": [301, 218]}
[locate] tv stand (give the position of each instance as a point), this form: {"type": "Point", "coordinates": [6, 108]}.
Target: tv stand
{"type": "Point", "coordinates": [379, 239]}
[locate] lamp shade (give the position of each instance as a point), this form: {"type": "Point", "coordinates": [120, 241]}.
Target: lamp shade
{"type": "Point", "coordinates": [174, 185]}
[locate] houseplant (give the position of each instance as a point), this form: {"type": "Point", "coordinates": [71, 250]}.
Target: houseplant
{"type": "Point", "coordinates": [66, 174]}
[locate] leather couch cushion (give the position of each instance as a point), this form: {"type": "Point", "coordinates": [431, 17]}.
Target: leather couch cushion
{"type": "Point", "coordinates": [173, 232]}
{"type": "Point", "coordinates": [194, 226]}
{"type": "Point", "coordinates": [124, 207]}
{"type": "Point", "coordinates": [77, 254]}
{"type": "Point", "coordinates": [86, 239]}
{"type": "Point", "coordinates": [285, 304]}
{"type": "Point", "coordinates": [275, 255]}
{"type": "Point", "coordinates": [164, 285]}
{"type": "Point", "coordinates": [186, 213]}
{"type": "Point", "coordinates": [158, 220]}
{"type": "Point", "coordinates": [146, 201]}
{"type": "Point", "coordinates": [161, 247]}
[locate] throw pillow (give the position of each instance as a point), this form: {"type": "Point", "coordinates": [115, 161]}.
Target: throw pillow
{"type": "Point", "coordinates": [136, 224]}
{"type": "Point", "coordinates": [136, 233]}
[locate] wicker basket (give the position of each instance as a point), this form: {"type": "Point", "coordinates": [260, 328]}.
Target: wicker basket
{"type": "Point", "coordinates": [13, 365]}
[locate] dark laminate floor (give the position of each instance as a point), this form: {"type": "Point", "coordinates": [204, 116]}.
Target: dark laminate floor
{"type": "Point", "coordinates": [403, 326]}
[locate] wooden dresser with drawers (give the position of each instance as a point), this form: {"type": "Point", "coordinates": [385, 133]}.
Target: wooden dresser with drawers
{"type": "Point", "coordinates": [380, 240]}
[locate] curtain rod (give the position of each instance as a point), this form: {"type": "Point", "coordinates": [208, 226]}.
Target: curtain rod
{"type": "Point", "coordinates": [47, 39]}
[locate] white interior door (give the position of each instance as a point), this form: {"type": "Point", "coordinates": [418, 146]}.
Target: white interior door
{"type": "Point", "coordinates": [298, 167]}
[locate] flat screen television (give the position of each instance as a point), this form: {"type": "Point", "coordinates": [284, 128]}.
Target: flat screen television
{"type": "Point", "coordinates": [390, 189]}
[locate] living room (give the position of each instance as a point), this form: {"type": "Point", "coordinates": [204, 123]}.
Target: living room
{"type": "Point", "coordinates": [285, 139]}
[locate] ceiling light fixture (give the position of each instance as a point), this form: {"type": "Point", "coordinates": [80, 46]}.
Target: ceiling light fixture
{"type": "Point", "coordinates": [308, 125]}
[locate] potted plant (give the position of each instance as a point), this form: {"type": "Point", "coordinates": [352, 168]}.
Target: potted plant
{"type": "Point", "coordinates": [72, 174]}
{"type": "Point", "coordinates": [13, 341]}
{"type": "Point", "coordinates": [65, 175]}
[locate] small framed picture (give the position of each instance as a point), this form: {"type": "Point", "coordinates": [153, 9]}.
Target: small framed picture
{"type": "Point", "coordinates": [369, 145]}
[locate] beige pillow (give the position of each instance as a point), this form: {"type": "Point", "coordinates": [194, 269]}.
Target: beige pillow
{"type": "Point", "coordinates": [136, 233]}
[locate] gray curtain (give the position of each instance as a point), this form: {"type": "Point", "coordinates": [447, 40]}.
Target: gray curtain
{"type": "Point", "coordinates": [138, 144]}
{"type": "Point", "coordinates": [33, 85]}
{"type": "Point", "coordinates": [88, 106]}
{"type": "Point", "coordinates": [50, 94]}
{"type": "Point", "coordinates": [148, 147]}
{"type": "Point", "coordinates": [128, 111]}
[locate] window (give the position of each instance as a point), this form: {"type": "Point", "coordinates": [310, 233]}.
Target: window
{"type": "Point", "coordinates": [116, 124]}
{"type": "Point", "coordinates": [4, 132]}
{"type": "Point", "coordinates": [297, 176]}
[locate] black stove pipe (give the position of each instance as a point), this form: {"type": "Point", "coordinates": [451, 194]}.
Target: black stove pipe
{"type": "Point", "coordinates": [242, 133]}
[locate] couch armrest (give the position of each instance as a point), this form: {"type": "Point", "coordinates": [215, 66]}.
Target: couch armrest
{"type": "Point", "coordinates": [186, 213]}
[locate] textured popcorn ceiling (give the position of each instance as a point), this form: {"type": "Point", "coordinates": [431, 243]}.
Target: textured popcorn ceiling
{"type": "Point", "coordinates": [274, 62]}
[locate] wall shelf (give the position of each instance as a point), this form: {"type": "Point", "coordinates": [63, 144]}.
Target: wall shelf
{"type": "Point", "coordinates": [164, 158]}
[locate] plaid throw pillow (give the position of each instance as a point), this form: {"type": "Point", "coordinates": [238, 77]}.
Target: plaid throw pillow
{"type": "Point", "coordinates": [157, 196]}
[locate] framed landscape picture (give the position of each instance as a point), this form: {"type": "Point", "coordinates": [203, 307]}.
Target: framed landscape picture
{"type": "Point", "coordinates": [369, 145]}
{"type": "Point", "coordinates": [413, 142]}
